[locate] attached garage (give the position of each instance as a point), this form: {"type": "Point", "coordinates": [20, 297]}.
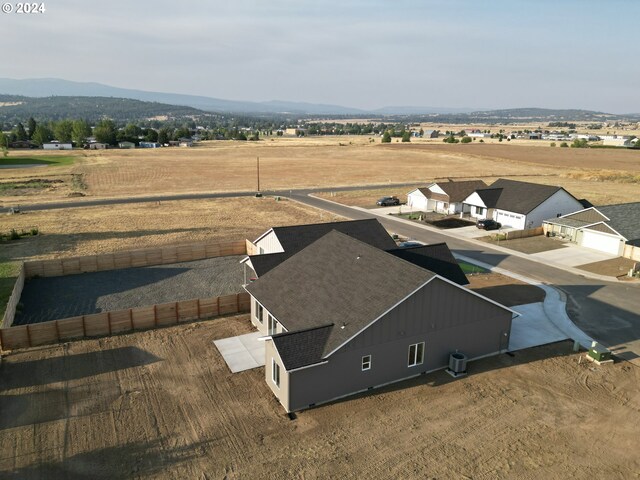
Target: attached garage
{"type": "Point", "coordinates": [601, 241]}
{"type": "Point", "coordinates": [417, 200]}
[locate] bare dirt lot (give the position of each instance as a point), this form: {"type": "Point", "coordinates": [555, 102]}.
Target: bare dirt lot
{"type": "Point", "coordinates": [163, 404]}
{"type": "Point", "coordinates": [92, 230]}
{"type": "Point", "coordinates": [505, 290]}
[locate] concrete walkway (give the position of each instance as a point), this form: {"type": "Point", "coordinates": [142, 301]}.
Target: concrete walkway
{"type": "Point", "coordinates": [532, 328]}
{"type": "Point", "coordinates": [243, 352]}
{"type": "Point", "coordinates": [552, 310]}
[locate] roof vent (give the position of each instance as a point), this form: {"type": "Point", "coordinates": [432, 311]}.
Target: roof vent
{"type": "Point", "coordinates": [343, 325]}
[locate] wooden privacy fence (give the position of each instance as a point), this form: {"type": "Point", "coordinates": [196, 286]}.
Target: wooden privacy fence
{"type": "Point", "coordinates": [530, 232]}
{"type": "Point", "coordinates": [14, 299]}
{"type": "Point", "coordinates": [120, 321]}
{"type": "Point", "coordinates": [632, 252]}
{"type": "Point", "coordinates": [251, 248]}
{"type": "Point", "coordinates": [133, 258]}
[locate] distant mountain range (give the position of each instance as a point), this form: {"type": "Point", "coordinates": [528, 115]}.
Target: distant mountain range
{"type": "Point", "coordinates": [46, 87]}
{"type": "Point", "coordinates": [48, 97]}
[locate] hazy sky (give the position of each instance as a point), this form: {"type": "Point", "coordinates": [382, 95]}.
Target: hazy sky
{"type": "Point", "coordinates": [367, 54]}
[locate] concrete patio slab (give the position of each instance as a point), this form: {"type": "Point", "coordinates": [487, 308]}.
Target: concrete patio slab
{"type": "Point", "coordinates": [533, 328]}
{"type": "Point", "coordinates": [243, 352]}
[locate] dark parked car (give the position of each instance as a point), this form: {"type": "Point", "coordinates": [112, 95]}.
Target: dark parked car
{"type": "Point", "coordinates": [388, 201]}
{"type": "Point", "coordinates": [410, 244]}
{"type": "Point", "coordinates": [488, 224]}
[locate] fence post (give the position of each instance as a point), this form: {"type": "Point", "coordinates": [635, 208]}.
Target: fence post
{"type": "Point", "coordinates": [57, 330]}
{"type": "Point", "coordinates": [109, 322]}
{"type": "Point", "coordinates": [218, 300]}
{"type": "Point", "coordinates": [177, 313]}
{"type": "Point", "coordinates": [131, 318]}
{"type": "Point", "coordinates": [237, 303]}
{"type": "Point", "coordinates": [155, 315]}
{"type": "Point", "coordinates": [84, 328]}
{"type": "Point", "coordinates": [198, 305]}
{"type": "Point", "coordinates": [28, 335]}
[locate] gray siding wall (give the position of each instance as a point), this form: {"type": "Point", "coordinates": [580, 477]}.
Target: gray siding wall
{"type": "Point", "coordinates": [443, 316]}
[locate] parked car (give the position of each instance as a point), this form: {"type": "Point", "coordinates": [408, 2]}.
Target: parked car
{"type": "Point", "coordinates": [388, 201]}
{"type": "Point", "coordinates": [410, 243]}
{"type": "Point", "coordinates": [488, 224]}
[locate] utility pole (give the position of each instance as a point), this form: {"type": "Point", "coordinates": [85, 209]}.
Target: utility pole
{"type": "Point", "coordinates": [258, 194]}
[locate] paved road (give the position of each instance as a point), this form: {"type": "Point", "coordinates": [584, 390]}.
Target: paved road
{"type": "Point", "coordinates": [94, 202]}
{"type": "Point", "coordinates": [607, 311]}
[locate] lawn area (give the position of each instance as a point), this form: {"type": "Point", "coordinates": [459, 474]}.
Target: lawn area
{"type": "Point", "coordinates": [53, 160]}
{"type": "Point", "coordinates": [8, 275]}
{"type": "Point", "coordinates": [468, 268]}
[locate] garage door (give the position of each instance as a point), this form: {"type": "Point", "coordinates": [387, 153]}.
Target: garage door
{"type": "Point", "coordinates": [602, 242]}
{"type": "Point", "coordinates": [509, 220]}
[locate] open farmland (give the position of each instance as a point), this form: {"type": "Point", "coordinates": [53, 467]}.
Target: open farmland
{"type": "Point", "coordinates": [287, 163]}
{"type": "Point", "coordinates": [163, 404]}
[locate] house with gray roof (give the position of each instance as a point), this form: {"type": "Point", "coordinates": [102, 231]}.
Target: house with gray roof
{"type": "Point", "coordinates": [344, 316]}
{"type": "Point", "coordinates": [444, 197]}
{"type": "Point", "coordinates": [520, 205]}
{"type": "Point", "coordinates": [613, 229]}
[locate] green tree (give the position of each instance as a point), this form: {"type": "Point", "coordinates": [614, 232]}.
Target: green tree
{"type": "Point", "coordinates": [406, 136]}
{"type": "Point", "coordinates": [421, 133]}
{"type": "Point", "coordinates": [31, 126]}
{"type": "Point", "coordinates": [80, 132]}
{"type": "Point", "coordinates": [466, 140]}
{"type": "Point", "coordinates": [4, 140]}
{"type": "Point", "coordinates": [21, 133]}
{"type": "Point", "coordinates": [42, 134]}
{"type": "Point", "coordinates": [150, 135]}
{"type": "Point", "coordinates": [105, 132]}
{"type": "Point", "coordinates": [63, 131]}
{"type": "Point", "coordinates": [386, 137]}
{"type": "Point", "coordinates": [164, 135]}
{"type": "Point", "coordinates": [580, 143]}
{"type": "Point", "coordinates": [255, 137]}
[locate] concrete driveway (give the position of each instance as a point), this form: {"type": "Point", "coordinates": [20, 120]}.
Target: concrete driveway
{"type": "Point", "coordinates": [533, 328]}
{"type": "Point", "coordinates": [573, 255]}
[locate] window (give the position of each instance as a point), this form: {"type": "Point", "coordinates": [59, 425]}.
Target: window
{"type": "Point", "coordinates": [366, 362]}
{"type": "Point", "coordinates": [416, 354]}
{"type": "Point", "coordinates": [275, 372]}
{"type": "Point", "coordinates": [259, 311]}
{"type": "Point", "coordinates": [480, 210]}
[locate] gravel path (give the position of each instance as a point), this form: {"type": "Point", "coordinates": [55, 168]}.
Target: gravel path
{"type": "Point", "coordinates": [53, 298]}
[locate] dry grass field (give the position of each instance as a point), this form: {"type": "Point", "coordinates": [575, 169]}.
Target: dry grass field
{"type": "Point", "coordinates": [92, 230]}
{"type": "Point", "coordinates": [286, 163]}
{"type": "Point", "coordinates": [163, 404]}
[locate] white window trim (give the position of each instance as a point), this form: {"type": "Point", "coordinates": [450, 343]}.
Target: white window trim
{"type": "Point", "coordinates": [362, 362]}
{"type": "Point", "coordinates": [258, 313]}
{"type": "Point", "coordinates": [416, 363]}
{"type": "Point", "coordinates": [275, 365]}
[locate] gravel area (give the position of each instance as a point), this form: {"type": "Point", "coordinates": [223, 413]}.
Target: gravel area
{"type": "Point", "coordinates": [52, 298]}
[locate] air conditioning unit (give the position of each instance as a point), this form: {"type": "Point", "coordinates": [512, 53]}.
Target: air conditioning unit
{"type": "Point", "coordinates": [457, 364]}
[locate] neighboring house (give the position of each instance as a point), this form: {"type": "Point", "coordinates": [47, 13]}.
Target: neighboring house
{"type": "Point", "coordinates": [98, 146]}
{"type": "Point", "coordinates": [279, 243]}
{"type": "Point", "coordinates": [608, 228]}
{"type": "Point", "coordinates": [343, 316]}
{"type": "Point", "coordinates": [297, 131]}
{"type": "Point", "coordinates": [57, 146]}
{"type": "Point", "coordinates": [520, 205]}
{"type": "Point", "coordinates": [445, 197]}
{"type": "Point", "coordinates": [149, 145]}
{"type": "Point", "coordinates": [431, 134]}
{"type": "Point", "coordinates": [185, 142]}
{"type": "Point", "coordinates": [479, 135]}
{"type": "Point", "coordinates": [617, 142]}
{"type": "Point", "coordinates": [23, 144]}
{"type": "Point", "coordinates": [126, 145]}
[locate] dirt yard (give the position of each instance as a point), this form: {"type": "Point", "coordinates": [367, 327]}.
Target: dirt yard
{"type": "Point", "coordinates": [328, 161]}
{"type": "Point", "coordinates": [505, 290]}
{"type": "Point", "coordinates": [528, 245]}
{"type": "Point", "coordinates": [91, 230]}
{"type": "Point", "coordinates": [163, 404]}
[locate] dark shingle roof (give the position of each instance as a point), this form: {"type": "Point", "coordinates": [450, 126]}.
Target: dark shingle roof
{"type": "Point", "coordinates": [337, 279]}
{"type": "Point", "coordinates": [515, 196]}
{"type": "Point", "coordinates": [296, 237]}
{"type": "Point", "coordinates": [265, 262]}
{"type": "Point", "coordinates": [458, 191]}
{"type": "Point", "coordinates": [304, 347]}
{"type": "Point", "coordinates": [624, 218]}
{"type": "Point", "coordinates": [436, 258]}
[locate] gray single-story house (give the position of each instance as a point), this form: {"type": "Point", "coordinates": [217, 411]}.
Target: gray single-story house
{"type": "Point", "coordinates": [613, 229]}
{"type": "Point", "coordinates": [444, 197]}
{"type": "Point", "coordinates": [344, 316]}
{"type": "Point", "coordinates": [520, 205]}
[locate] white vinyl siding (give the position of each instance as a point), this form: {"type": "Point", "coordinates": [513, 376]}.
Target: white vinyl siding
{"type": "Point", "coordinates": [366, 362]}
{"type": "Point", "coordinates": [416, 354]}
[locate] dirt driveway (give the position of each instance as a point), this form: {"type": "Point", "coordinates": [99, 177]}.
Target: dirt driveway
{"type": "Point", "coordinates": [163, 404]}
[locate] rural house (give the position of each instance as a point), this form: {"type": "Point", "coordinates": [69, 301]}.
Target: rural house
{"type": "Point", "coordinates": [613, 229]}
{"type": "Point", "coordinates": [57, 146]}
{"type": "Point", "coordinates": [444, 197]}
{"type": "Point", "coordinates": [520, 205]}
{"type": "Point", "coordinates": [345, 317]}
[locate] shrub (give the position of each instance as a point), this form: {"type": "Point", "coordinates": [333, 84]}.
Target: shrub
{"type": "Point", "coordinates": [553, 144]}
{"type": "Point", "coordinates": [465, 140]}
{"type": "Point", "coordinates": [564, 145]}
{"type": "Point", "coordinates": [14, 235]}
{"type": "Point", "coordinates": [34, 231]}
